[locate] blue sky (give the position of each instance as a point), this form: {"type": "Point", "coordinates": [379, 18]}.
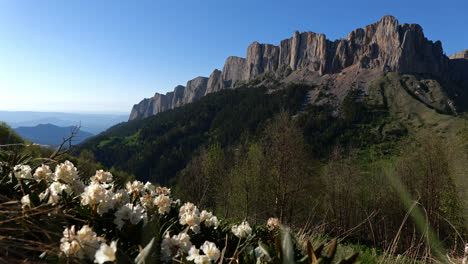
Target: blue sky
{"type": "Point", "coordinates": [106, 55]}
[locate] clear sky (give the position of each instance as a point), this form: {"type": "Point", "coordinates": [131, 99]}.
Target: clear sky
{"type": "Point", "coordinates": [106, 55]}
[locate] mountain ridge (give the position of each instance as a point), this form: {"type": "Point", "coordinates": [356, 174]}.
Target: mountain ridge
{"type": "Point", "coordinates": [49, 134]}
{"type": "Point", "coordinates": [384, 46]}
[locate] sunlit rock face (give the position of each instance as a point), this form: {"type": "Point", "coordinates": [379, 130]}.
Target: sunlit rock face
{"type": "Point", "coordinates": [385, 46]}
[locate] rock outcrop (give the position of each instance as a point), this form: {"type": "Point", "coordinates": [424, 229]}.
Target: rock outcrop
{"type": "Point", "coordinates": [460, 55]}
{"type": "Point", "coordinates": [385, 46]}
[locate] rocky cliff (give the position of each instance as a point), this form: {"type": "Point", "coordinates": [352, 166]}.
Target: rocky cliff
{"type": "Point", "coordinates": [385, 46]}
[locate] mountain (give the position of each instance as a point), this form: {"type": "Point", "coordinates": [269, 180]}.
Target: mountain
{"type": "Point", "coordinates": [378, 86]}
{"type": "Point", "coordinates": [307, 57]}
{"type": "Point", "coordinates": [94, 123]}
{"type": "Point", "coordinates": [48, 134]}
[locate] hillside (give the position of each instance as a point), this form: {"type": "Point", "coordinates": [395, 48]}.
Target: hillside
{"type": "Point", "coordinates": [51, 135]}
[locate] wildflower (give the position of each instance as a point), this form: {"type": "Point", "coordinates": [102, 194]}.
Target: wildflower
{"type": "Point", "coordinates": [213, 221]}
{"type": "Point", "coordinates": [43, 173]}
{"type": "Point", "coordinates": [97, 194]}
{"type": "Point", "coordinates": [194, 255]}
{"type": "Point", "coordinates": [243, 230]}
{"type": "Point", "coordinates": [163, 190]}
{"type": "Point", "coordinates": [163, 202]}
{"type": "Point", "coordinates": [120, 198]}
{"type": "Point", "coordinates": [171, 247]}
{"type": "Point", "coordinates": [135, 187]}
{"type": "Point", "coordinates": [25, 201]}
{"type": "Point", "coordinates": [189, 215]}
{"type": "Point", "coordinates": [150, 188]}
{"type": "Point", "coordinates": [147, 200]}
{"type": "Point", "coordinates": [210, 250]}
{"type": "Point", "coordinates": [81, 244]}
{"type": "Point", "coordinates": [209, 219]}
{"type": "Point", "coordinates": [273, 223]}
{"type": "Point", "coordinates": [22, 172]}
{"type": "Point", "coordinates": [102, 177]}
{"type": "Point", "coordinates": [129, 212]}
{"type": "Point", "coordinates": [66, 172]}
{"type": "Point", "coordinates": [106, 253]}
{"type": "Point", "coordinates": [55, 191]}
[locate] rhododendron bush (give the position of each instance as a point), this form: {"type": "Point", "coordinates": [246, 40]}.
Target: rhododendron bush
{"type": "Point", "coordinates": [74, 218]}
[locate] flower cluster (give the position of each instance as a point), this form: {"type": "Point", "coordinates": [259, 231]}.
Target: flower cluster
{"type": "Point", "coordinates": [174, 246]}
{"type": "Point", "coordinates": [133, 213]}
{"type": "Point", "coordinates": [212, 253]}
{"type": "Point", "coordinates": [82, 244]}
{"type": "Point", "coordinates": [273, 223]}
{"type": "Point", "coordinates": [137, 203]}
{"type": "Point", "coordinates": [243, 230]}
{"type": "Point", "coordinates": [190, 216]}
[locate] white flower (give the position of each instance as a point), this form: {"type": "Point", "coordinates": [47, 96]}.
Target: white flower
{"type": "Point", "coordinates": [77, 186]}
{"type": "Point", "coordinates": [102, 177]}
{"type": "Point", "coordinates": [55, 191]}
{"type": "Point", "coordinates": [163, 202]}
{"type": "Point", "coordinates": [210, 250]}
{"type": "Point", "coordinates": [213, 221]}
{"type": "Point", "coordinates": [135, 187]}
{"type": "Point", "coordinates": [106, 253]}
{"type": "Point", "coordinates": [25, 201]}
{"type": "Point", "coordinates": [147, 200]}
{"type": "Point", "coordinates": [189, 215]}
{"type": "Point", "coordinates": [163, 190]}
{"type": "Point", "coordinates": [243, 230]}
{"type": "Point", "coordinates": [205, 215]}
{"type": "Point", "coordinates": [273, 223]}
{"type": "Point", "coordinates": [81, 244]}
{"type": "Point", "coordinates": [195, 256]}
{"type": "Point", "coordinates": [209, 219]}
{"type": "Point", "coordinates": [171, 247]}
{"type": "Point", "coordinates": [129, 212]}
{"type": "Point", "coordinates": [120, 198]}
{"type": "Point", "coordinates": [150, 188]}
{"type": "Point", "coordinates": [22, 172]}
{"type": "Point", "coordinates": [43, 173]}
{"type": "Point", "coordinates": [66, 172]}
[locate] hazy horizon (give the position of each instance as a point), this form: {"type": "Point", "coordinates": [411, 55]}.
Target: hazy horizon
{"type": "Point", "coordinates": [106, 56]}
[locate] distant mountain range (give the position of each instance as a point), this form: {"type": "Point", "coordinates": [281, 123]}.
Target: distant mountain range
{"type": "Point", "coordinates": [94, 123]}
{"type": "Point", "coordinates": [52, 135]}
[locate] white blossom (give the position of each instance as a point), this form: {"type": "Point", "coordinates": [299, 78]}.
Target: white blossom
{"type": "Point", "coordinates": [43, 173]}
{"type": "Point", "coordinates": [163, 202]}
{"type": "Point", "coordinates": [102, 177]}
{"type": "Point", "coordinates": [243, 230]}
{"type": "Point", "coordinates": [66, 172]}
{"type": "Point", "coordinates": [106, 253]}
{"type": "Point", "coordinates": [55, 191]}
{"type": "Point", "coordinates": [25, 201]}
{"type": "Point", "coordinates": [273, 223]}
{"type": "Point", "coordinates": [22, 172]}
{"type": "Point", "coordinates": [171, 247]}
{"type": "Point", "coordinates": [194, 255]}
{"type": "Point", "coordinates": [210, 250]}
{"type": "Point", "coordinates": [135, 187]}
{"type": "Point", "coordinates": [189, 215]}
{"type": "Point", "coordinates": [120, 198]}
{"type": "Point", "coordinates": [133, 213]}
{"type": "Point", "coordinates": [81, 244]}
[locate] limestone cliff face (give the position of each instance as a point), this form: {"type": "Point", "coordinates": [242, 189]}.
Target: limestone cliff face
{"type": "Point", "coordinates": [460, 55]}
{"type": "Point", "coordinates": [385, 45]}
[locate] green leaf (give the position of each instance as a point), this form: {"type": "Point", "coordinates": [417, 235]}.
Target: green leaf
{"type": "Point", "coordinates": [145, 254]}
{"type": "Point", "coordinates": [287, 247]}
